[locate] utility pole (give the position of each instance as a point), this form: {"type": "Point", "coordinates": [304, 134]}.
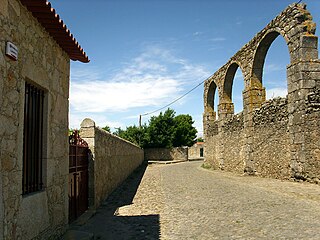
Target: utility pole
{"type": "Point", "coordinates": [140, 130]}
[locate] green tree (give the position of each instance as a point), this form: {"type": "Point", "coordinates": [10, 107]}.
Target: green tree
{"type": "Point", "coordinates": [70, 131]}
{"type": "Point", "coordinates": [185, 134]}
{"type": "Point", "coordinates": [133, 134]}
{"type": "Point", "coordinates": [200, 139]}
{"type": "Point", "coordinates": [160, 132]}
{"type": "Point", "coordinates": [118, 132]}
{"type": "Point", "coordinates": [107, 128]}
{"type": "Point", "coordinates": [163, 131]}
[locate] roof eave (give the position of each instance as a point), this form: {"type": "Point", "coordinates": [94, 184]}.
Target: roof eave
{"type": "Point", "coordinates": [47, 17]}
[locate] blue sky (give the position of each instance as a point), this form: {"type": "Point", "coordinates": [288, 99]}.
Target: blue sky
{"type": "Point", "coordinates": [146, 53]}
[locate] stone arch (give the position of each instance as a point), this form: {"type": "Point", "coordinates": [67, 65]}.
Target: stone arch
{"type": "Point", "coordinates": [297, 28]}
{"type": "Point", "coordinates": [260, 56]}
{"type": "Point", "coordinates": [226, 106]}
{"type": "Point", "coordinates": [210, 97]}
{"type": "Point", "coordinates": [293, 140]}
{"type": "Point", "coordinates": [228, 81]}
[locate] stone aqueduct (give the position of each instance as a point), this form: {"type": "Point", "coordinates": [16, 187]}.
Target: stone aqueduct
{"type": "Point", "coordinates": [277, 138]}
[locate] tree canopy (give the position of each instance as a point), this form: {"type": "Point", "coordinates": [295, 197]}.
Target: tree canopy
{"type": "Point", "coordinates": [165, 130]}
{"type": "Point", "coordinates": [106, 128]}
{"type": "Point", "coordinates": [200, 139]}
{"type": "Point", "coordinates": [185, 134]}
{"type": "Point", "coordinates": [161, 130]}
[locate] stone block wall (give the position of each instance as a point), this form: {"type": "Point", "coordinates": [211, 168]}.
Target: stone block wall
{"type": "Point", "coordinates": [43, 63]}
{"type": "Point", "coordinates": [195, 150]}
{"type": "Point", "coordinates": [166, 154]}
{"type": "Point", "coordinates": [271, 141]}
{"type": "Point", "coordinates": [113, 160]}
{"type": "Point", "coordinates": [278, 138]}
{"type": "Point", "coordinates": [230, 150]}
{"type": "Point", "coordinates": [311, 136]}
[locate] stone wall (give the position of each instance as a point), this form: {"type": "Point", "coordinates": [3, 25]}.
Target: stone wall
{"type": "Point", "coordinates": [41, 62]}
{"type": "Point", "coordinates": [113, 160]}
{"type": "Point", "coordinates": [311, 135]}
{"type": "Point", "coordinates": [271, 141]}
{"type": "Point", "coordinates": [166, 154]}
{"type": "Point", "coordinates": [230, 150]}
{"type": "Point", "coordinates": [195, 150]}
{"type": "Point", "coordinates": [278, 138]}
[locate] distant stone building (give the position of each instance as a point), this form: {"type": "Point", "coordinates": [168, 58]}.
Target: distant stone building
{"type": "Point", "coordinates": [278, 138]}
{"type": "Point", "coordinates": [35, 52]}
{"type": "Point", "coordinates": [196, 151]}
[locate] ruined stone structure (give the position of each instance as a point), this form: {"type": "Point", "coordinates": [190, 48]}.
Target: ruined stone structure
{"type": "Point", "coordinates": [34, 198]}
{"type": "Point", "coordinates": [113, 160]}
{"type": "Point", "coordinates": [278, 138]}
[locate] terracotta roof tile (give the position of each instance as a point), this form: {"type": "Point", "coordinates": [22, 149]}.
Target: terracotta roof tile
{"type": "Point", "coordinates": [50, 20]}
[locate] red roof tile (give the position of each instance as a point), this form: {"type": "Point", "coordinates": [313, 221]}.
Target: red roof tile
{"type": "Point", "coordinates": [46, 15]}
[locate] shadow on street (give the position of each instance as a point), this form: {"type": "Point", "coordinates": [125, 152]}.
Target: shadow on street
{"type": "Point", "coordinates": [106, 224]}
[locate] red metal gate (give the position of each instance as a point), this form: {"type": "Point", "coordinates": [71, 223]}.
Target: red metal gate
{"type": "Point", "coordinates": [78, 176]}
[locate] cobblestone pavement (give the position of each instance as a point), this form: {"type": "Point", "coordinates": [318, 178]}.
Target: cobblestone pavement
{"type": "Point", "coordinates": [184, 201]}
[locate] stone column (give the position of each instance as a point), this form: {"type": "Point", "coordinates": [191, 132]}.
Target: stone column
{"type": "Point", "coordinates": [87, 133]}
{"type": "Point", "coordinates": [303, 83]}
{"type": "Point", "coordinates": [208, 118]}
{"type": "Point", "coordinates": [225, 110]}
{"type": "Point", "coordinates": [210, 129]}
{"type": "Point", "coordinates": [253, 97]}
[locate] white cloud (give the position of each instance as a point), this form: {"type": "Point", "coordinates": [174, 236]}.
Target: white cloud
{"type": "Point", "coordinates": [197, 33]}
{"type": "Point", "coordinates": [217, 39]}
{"type": "Point", "coordinates": [216, 43]}
{"type": "Point", "coordinates": [198, 124]}
{"type": "Point", "coordinates": [152, 79]}
{"type": "Point", "coordinates": [100, 96]}
{"type": "Point", "coordinates": [215, 48]}
{"type": "Point", "coordinates": [273, 68]}
{"type": "Point", "coordinates": [276, 92]}
{"type": "Point", "coordinates": [100, 120]}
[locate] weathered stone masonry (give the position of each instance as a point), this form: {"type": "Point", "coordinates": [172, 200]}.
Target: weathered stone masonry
{"type": "Point", "coordinates": [278, 138]}
{"type": "Point", "coordinates": [166, 154]}
{"type": "Point", "coordinates": [113, 160]}
{"type": "Point", "coordinates": [43, 63]}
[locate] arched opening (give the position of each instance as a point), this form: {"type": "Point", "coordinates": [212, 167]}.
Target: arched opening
{"type": "Point", "coordinates": [233, 87]}
{"type": "Point", "coordinates": [227, 86]}
{"type": "Point", "coordinates": [269, 73]}
{"type": "Point", "coordinates": [275, 69]}
{"type": "Point", "coordinates": [212, 99]}
{"type": "Point", "coordinates": [269, 65]}
{"type": "Point", "coordinates": [238, 87]}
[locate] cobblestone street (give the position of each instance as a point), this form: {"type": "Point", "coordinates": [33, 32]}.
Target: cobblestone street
{"type": "Point", "coordinates": [184, 201]}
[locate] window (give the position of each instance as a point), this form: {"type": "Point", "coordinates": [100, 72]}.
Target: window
{"type": "Point", "coordinates": [32, 139]}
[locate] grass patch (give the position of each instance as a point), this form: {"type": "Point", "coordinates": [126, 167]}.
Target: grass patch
{"type": "Point", "coordinates": [206, 165]}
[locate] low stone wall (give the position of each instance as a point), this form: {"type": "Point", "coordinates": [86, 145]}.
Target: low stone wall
{"type": "Point", "coordinates": [113, 160]}
{"type": "Point", "coordinates": [166, 154]}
